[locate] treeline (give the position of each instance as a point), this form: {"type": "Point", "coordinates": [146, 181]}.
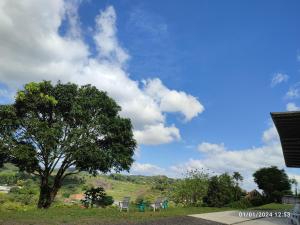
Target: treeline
{"type": "Point", "coordinates": [200, 189]}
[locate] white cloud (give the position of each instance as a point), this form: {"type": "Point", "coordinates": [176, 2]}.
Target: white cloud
{"type": "Point", "coordinates": [157, 134]}
{"type": "Point", "coordinates": [219, 159]}
{"type": "Point", "coordinates": [279, 78]}
{"type": "Point", "coordinates": [146, 169]}
{"type": "Point", "coordinates": [173, 101]}
{"type": "Point", "coordinates": [209, 148]}
{"type": "Point", "coordinates": [294, 91]}
{"type": "Point", "coordinates": [32, 49]}
{"type": "Point", "coordinates": [270, 135]}
{"type": "Point", "coordinates": [105, 37]}
{"type": "Point", "coordinates": [292, 107]}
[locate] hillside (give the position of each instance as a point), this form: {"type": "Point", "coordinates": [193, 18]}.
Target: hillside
{"type": "Point", "coordinates": [116, 185]}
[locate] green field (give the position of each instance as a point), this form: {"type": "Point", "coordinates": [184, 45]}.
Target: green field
{"type": "Point", "coordinates": [77, 215]}
{"type": "Point", "coordinates": [120, 189]}
{"type": "Point", "coordinates": [275, 206]}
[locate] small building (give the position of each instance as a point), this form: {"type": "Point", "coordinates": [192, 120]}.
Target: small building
{"type": "Point", "coordinates": [253, 194]}
{"type": "Point", "coordinates": [289, 199]}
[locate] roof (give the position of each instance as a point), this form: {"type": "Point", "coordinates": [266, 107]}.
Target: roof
{"type": "Point", "coordinates": [288, 127]}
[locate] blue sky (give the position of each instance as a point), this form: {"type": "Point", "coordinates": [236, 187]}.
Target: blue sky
{"type": "Point", "coordinates": [208, 72]}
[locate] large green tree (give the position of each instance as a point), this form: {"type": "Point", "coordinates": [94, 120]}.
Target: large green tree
{"type": "Point", "coordinates": [54, 131]}
{"type": "Point", "coordinates": [192, 189]}
{"type": "Point", "coordinates": [273, 181]}
{"type": "Point", "coordinates": [222, 190]}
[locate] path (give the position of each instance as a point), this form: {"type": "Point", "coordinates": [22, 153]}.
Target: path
{"type": "Point", "coordinates": [232, 217]}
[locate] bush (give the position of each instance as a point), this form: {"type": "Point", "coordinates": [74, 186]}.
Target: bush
{"type": "Point", "coordinates": [241, 204]}
{"type": "Point", "coordinates": [139, 199]}
{"type": "Point", "coordinates": [26, 195]}
{"type": "Point", "coordinates": [8, 178]}
{"type": "Point", "coordinates": [3, 198]}
{"type": "Point", "coordinates": [12, 206]}
{"type": "Point", "coordinates": [257, 201]}
{"type": "Point", "coordinates": [107, 201]}
{"type": "Point", "coordinates": [98, 197]}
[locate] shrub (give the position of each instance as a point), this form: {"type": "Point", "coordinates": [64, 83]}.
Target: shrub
{"type": "Point", "coordinates": [98, 197]}
{"type": "Point", "coordinates": [26, 195]}
{"type": "Point", "coordinates": [107, 200]}
{"type": "Point", "coordinates": [9, 178]}
{"type": "Point", "coordinates": [241, 204]}
{"type": "Point", "coordinates": [139, 199]}
{"type": "Point", "coordinates": [257, 201]}
{"type": "Point", "coordinates": [3, 198]}
{"type": "Point", "coordinates": [11, 206]}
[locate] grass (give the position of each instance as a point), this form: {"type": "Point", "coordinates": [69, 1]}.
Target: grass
{"type": "Point", "coordinates": [77, 215]}
{"type": "Point", "coordinates": [121, 189]}
{"type": "Point", "coordinates": [275, 206]}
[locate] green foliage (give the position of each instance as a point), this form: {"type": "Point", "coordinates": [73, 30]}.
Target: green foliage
{"type": "Point", "coordinates": [275, 206]}
{"type": "Point", "coordinates": [162, 183]}
{"type": "Point", "coordinates": [8, 178]}
{"type": "Point", "coordinates": [273, 181]}
{"type": "Point", "coordinates": [241, 204]}
{"type": "Point", "coordinates": [14, 206]}
{"type": "Point", "coordinates": [192, 189]}
{"type": "Point", "coordinates": [26, 195]}
{"type": "Point", "coordinates": [3, 198]}
{"type": "Point", "coordinates": [98, 197]}
{"type": "Point", "coordinates": [257, 200]}
{"type": "Point", "coordinates": [222, 190]}
{"type": "Point", "coordinates": [64, 125]}
{"type": "Point", "coordinates": [11, 177]}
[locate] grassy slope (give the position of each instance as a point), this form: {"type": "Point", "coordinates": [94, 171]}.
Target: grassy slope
{"type": "Point", "coordinates": [117, 189]}
{"type": "Point", "coordinates": [122, 189]}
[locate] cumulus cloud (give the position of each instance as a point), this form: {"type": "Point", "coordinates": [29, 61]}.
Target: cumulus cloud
{"type": "Point", "coordinates": [279, 78]}
{"type": "Point", "coordinates": [292, 107]}
{"type": "Point", "coordinates": [173, 101]}
{"type": "Point", "coordinates": [32, 48]}
{"type": "Point", "coordinates": [209, 148]}
{"type": "Point", "coordinates": [157, 134]}
{"type": "Point", "coordinates": [146, 169]}
{"type": "Point", "coordinates": [219, 159]}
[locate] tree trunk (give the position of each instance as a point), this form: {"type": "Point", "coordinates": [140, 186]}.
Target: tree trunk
{"type": "Point", "coordinates": [47, 194]}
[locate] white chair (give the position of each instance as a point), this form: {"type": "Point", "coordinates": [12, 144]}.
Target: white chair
{"type": "Point", "coordinates": [124, 204]}
{"type": "Point", "coordinates": [157, 204]}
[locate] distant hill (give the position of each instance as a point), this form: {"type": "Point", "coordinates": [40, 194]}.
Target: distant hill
{"type": "Point", "coordinates": [116, 185]}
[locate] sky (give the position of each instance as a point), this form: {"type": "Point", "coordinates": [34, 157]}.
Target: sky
{"type": "Point", "coordinates": [198, 79]}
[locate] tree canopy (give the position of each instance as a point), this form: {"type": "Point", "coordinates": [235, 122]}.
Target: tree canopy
{"type": "Point", "coordinates": [222, 190]}
{"type": "Point", "coordinates": [273, 181]}
{"type": "Point", "coordinates": [57, 130]}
